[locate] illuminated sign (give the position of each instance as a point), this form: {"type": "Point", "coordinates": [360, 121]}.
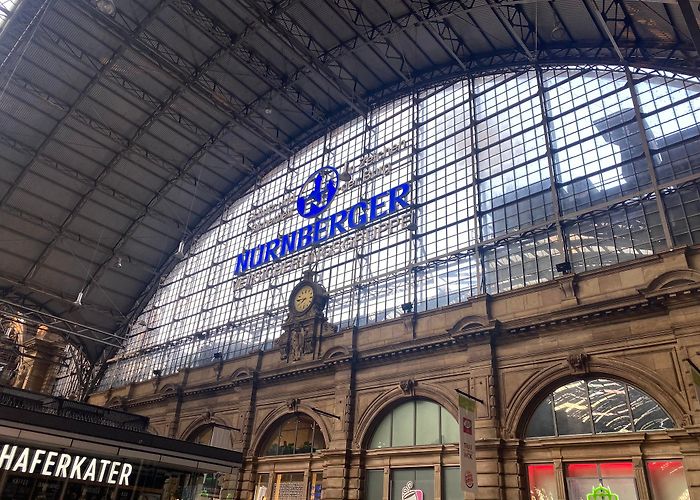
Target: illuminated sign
{"type": "Point", "coordinates": [63, 465]}
{"type": "Point", "coordinates": [313, 198]}
{"type": "Point", "coordinates": [409, 493]}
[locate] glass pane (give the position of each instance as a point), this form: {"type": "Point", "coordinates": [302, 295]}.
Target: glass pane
{"type": "Point", "coordinates": [315, 485]}
{"type": "Point", "coordinates": [451, 489]}
{"type": "Point", "coordinates": [542, 482]}
{"type": "Point", "coordinates": [609, 406]}
{"type": "Point", "coordinates": [647, 413]}
{"type": "Point", "coordinates": [289, 486]}
{"type": "Point", "coordinates": [304, 436]}
{"type": "Point", "coordinates": [616, 469]}
{"type": "Point", "coordinates": [427, 422]}
{"type": "Point", "coordinates": [582, 470]}
{"type": "Point", "coordinates": [406, 481]}
{"type": "Point", "coordinates": [382, 436]}
{"type": "Point", "coordinates": [448, 424]}
{"type": "Point", "coordinates": [261, 487]}
{"type": "Point", "coordinates": [667, 480]}
{"type": "Point", "coordinates": [571, 408]}
{"type": "Point", "coordinates": [542, 420]}
{"type": "Point", "coordinates": [403, 432]}
{"type": "Point", "coordinates": [374, 485]}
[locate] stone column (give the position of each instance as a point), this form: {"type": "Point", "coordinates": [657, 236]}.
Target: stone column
{"type": "Point", "coordinates": [41, 361]}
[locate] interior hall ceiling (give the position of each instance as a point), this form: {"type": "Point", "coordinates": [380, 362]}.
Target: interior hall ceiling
{"type": "Point", "coordinates": [122, 136]}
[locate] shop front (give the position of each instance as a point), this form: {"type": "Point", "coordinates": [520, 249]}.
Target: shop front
{"type": "Point", "coordinates": [53, 449]}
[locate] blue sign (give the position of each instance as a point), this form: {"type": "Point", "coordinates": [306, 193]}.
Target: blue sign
{"type": "Point", "coordinates": [317, 192]}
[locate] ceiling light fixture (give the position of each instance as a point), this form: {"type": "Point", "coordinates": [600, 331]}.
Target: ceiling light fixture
{"type": "Point", "coordinates": [79, 299]}
{"type": "Point", "coordinates": [107, 7]}
{"type": "Point", "coordinates": [558, 31]}
{"type": "Point", "coordinates": [180, 254]}
{"type": "Point", "coordinates": [118, 264]}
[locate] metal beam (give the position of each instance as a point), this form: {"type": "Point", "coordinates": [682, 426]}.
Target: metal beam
{"type": "Point", "coordinates": [194, 79]}
{"type": "Point", "coordinates": [507, 24]}
{"type": "Point", "coordinates": [691, 21]}
{"type": "Point", "coordinates": [603, 27]}
{"type": "Point", "coordinates": [69, 329]}
{"type": "Point", "coordinates": [242, 51]}
{"type": "Point", "coordinates": [93, 81]}
{"type": "Point", "coordinates": [289, 31]}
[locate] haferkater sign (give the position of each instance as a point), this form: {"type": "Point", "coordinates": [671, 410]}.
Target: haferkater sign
{"type": "Point", "coordinates": [14, 458]}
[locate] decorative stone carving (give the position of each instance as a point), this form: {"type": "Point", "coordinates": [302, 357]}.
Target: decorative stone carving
{"type": "Point", "coordinates": [408, 387]}
{"type": "Point", "coordinates": [578, 362]}
{"type": "Point", "coordinates": [293, 404]}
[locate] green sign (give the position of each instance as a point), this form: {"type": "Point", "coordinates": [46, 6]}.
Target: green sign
{"type": "Point", "coordinates": [602, 493]}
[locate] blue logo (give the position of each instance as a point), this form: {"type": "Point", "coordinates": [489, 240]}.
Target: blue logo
{"type": "Point", "coordinates": [317, 192]}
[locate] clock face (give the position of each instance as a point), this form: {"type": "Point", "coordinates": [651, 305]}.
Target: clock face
{"type": "Point", "coordinates": [303, 299]}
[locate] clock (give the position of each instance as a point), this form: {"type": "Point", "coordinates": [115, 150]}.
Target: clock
{"type": "Point", "coordinates": [303, 298]}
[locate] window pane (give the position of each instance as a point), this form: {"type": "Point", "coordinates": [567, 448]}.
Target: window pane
{"type": "Point", "coordinates": [667, 480]}
{"type": "Point", "coordinates": [427, 422]}
{"type": "Point", "coordinates": [542, 482]}
{"type": "Point", "coordinates": [315, 485]}
{"type": "Point", "coordinates": [403, 432]}
{"type": "Point", "coordinates": [412, 479]}
{"type": "Point", "coordinates": [647, 413]}
{"type": "Point", "coordinates": [382, 436]}
{"type": "Point", "coordinates": [571, 408]}
{"type": "Point", "coordinates": [288, 486]}
{"type": "Point", "coordinates": [448, 424]}
{"type": "Point", "coordinates": [542, 420]}
{"type": "Point", "coordinates": [451, 488]}
{"type": "Point", "coordinates": [609, 406]}
{"type": "Point", "coordinates": [616, 469]}
{"type": "Point", "coordinates": [374, 485]}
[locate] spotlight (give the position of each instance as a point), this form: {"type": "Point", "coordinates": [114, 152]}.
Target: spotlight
{"type": "Point", "coordinates": [217, 355]}
{"type": "Point", "coordinates": [157, 372]}
{"type": "Point", "coordinates": [558, 32]}
{"type": "Point", "coordinates": [79, 299]}
{"type": "Point", "coordinates": [107, 7]}
{"type": "Point", "coordinates": [268, 110]}
{"type": "Point", "coordinates": [118, 264]}
{"type": "Point", "coordinates": [200, 336]}
{"type": "Point", "coordinates": [345, 176]}
{"type": "Point", "coordinates": [407, 307]}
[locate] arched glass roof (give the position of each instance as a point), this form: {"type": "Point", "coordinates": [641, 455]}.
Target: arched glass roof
{"type": "Point", "coordinates": [508, 174]}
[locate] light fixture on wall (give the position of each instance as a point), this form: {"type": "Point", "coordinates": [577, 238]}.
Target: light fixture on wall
{"type": "Point", "coordinates": [345, 175]}
{"type": "Point", "coordinates": [180, 254]}
{"type": "Point", "coordinates": [564, 267]}
{"type": "Point", "coordinates": [107, 7]}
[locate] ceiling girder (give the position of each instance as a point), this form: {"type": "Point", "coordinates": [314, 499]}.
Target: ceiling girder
{"type": "Point", "coordinates": [308, 49]}
{"type": "Point", "coordinates": [193, 79]}
{"type": "Point", "coordinates": [603, 27]}
{"type": "Point", "coordinates": [438, 33]}
{"type": "Point", "coordinates": [255, 63]}
{"type": "Point", "coordinates": [54, 39]}
{"type": "Point", "coordinates": [507, 23]}
{"type": "Point", "coordinates": [50, 136]}
{"type": "Point", "coordinates": [691, 21]}
{"type": "Point", "coordinates": [70, 329]}
{"type": "Point", "coordinates": [393, 57]}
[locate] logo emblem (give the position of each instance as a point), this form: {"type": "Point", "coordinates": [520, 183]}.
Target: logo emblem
{"type": "Point", "coordinates": [317, 192]}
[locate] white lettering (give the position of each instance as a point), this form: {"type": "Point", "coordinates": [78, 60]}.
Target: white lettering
{"type": "Point", "coordinates": [48, 463]}
{"type": "Point", "coordinates": [22, 462]}
{"type": "Point", "coordinates": [90, 472]}
{"type": "Point", "coordinates": [124, 476]}
{"type": "Point", "coordinates": [6, 456]}
{"type": "Point", "coordinates": [102, 470]}
{"type": "Point", "coordinates": [113, 470]}
{"type": "Point", "coordinates": [75, 472]}
{"type": "Point", "coordinates": [36, 459]}
{"type": "Point", "coordinates": [62, 467]}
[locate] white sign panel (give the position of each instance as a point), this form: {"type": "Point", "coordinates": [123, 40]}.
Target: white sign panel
{"type": "Point", "coordinates": [467, 450]}
{"type": "Point", "coordinates": [15, 458]}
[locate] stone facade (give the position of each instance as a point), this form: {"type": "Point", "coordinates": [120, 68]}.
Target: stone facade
{"type": "Point", "coordinates": [637, 322]}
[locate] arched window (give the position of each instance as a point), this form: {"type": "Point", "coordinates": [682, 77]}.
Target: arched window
{"type": "Point", "coordinates": [295, 434]}
{"type": "Point", "coordinates": [597, 406]}
{"type": "Point", "coordinates": [414, 423]}
{"type": "Point", "coordinates": [202, 435]}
